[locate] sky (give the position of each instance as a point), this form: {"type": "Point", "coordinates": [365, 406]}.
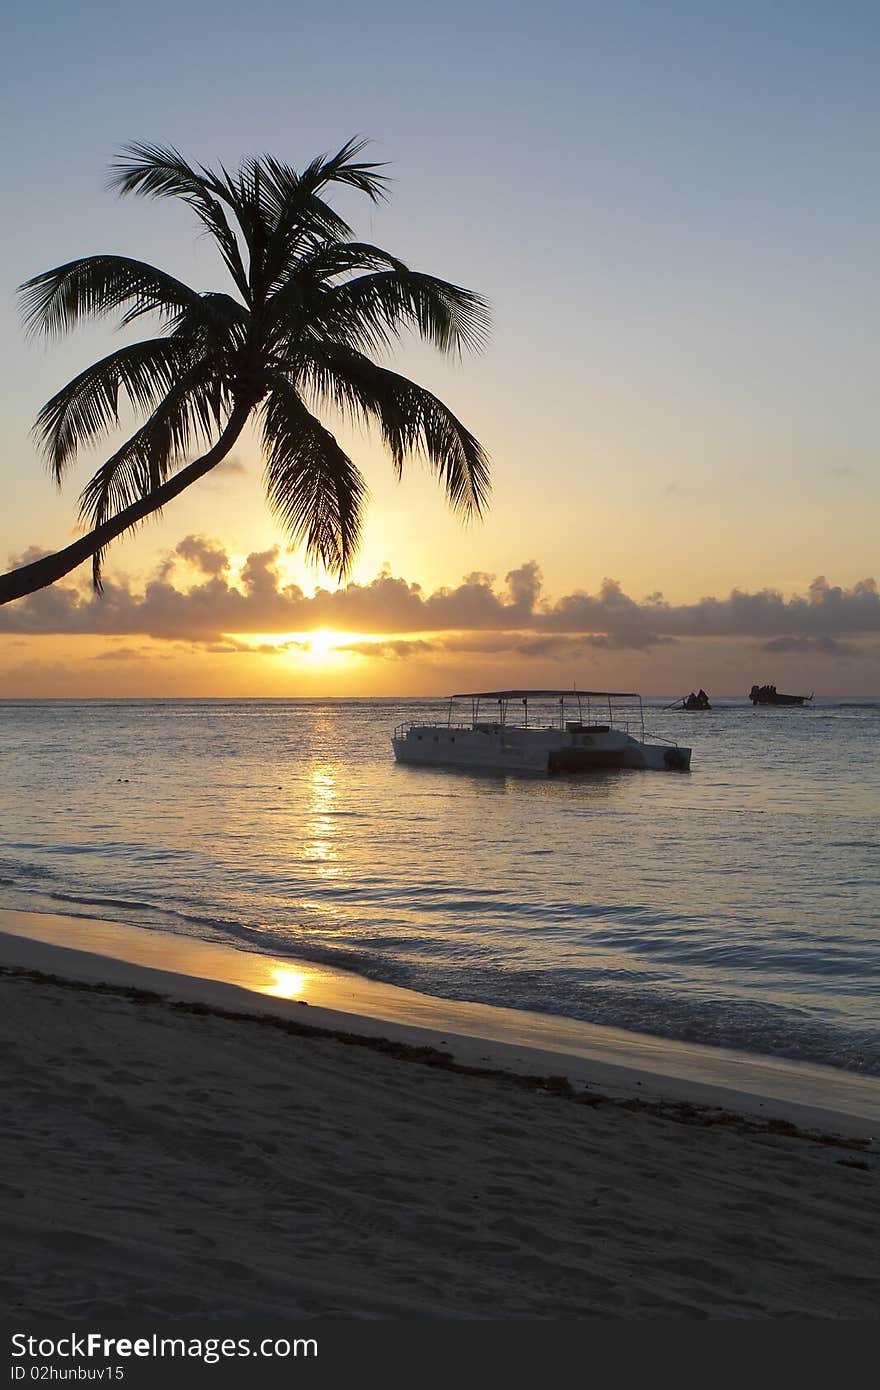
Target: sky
{"type": "Point", "coordinates": [674, 211]}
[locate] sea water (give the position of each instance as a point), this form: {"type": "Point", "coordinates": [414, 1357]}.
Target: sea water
{"type": "Point", "coordinates": [735, 905]}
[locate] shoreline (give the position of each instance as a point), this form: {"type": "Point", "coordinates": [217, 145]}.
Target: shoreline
{"type": "Point", "coordinates": [424, 1049]}
{"type": "Point", "coordinates": [621, 1066]}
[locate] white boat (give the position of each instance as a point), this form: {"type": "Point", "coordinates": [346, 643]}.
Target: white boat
{"type": "Point", "coordinates": [609, 732]}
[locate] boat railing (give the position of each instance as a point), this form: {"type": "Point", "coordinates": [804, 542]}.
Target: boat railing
{"type": "Point", "coordinates": [403, 729]}
{"type": "Point", "coordinates": [639, 731]}
{"type": "Point", "coordinates": [658, 738]}
{"type": "Point", "coordinates": [621, 724]}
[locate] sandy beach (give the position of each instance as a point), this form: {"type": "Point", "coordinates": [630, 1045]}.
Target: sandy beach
{"type": "Point", "coordinates": [176, 1157]}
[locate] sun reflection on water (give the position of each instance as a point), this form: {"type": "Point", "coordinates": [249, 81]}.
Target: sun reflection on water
{"type": "Point", "coordinates": [321, 846]}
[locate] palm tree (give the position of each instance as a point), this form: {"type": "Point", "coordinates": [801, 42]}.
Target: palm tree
{"type": "Point", "coordinates": [312, 309]}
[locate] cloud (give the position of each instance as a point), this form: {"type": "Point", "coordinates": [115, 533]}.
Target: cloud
{"type": "Point", "coordinates": [28, 557]}
{"type": "Point", "coordinates": [524, 586]}
{"type": "Point", "coordinates": [207, 556]}
{"type": "Point", "coordinates": [397, 650]}
{"type": "Point", "coordinates": [231, 465]}
{"type": "Point", "coordinates": [120, 654]}
{"type": "Point", "coordinates": [479, 614]}
{"type": "Point", "coordinates": [823, 646]}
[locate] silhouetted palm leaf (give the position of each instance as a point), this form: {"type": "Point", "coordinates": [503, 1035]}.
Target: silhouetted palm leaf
{"type": "Point", "coordinates": [313, 486]}
{"type": "Point", "coordinates": [378, 306]}
{"type": "Point", "coordinates": [54, 302]}
{"type": "Point", "coordinates": [161, 172]}
{"type": "Point", "coordinates": [413, 422]}
{"type": "Point", "coordinates": [88, 406]}
{"type": "Point", "coordinates": [190, 413]}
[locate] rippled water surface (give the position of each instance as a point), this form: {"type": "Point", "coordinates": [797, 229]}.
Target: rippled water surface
{"type": "Point", "coordinates": [735, 905]}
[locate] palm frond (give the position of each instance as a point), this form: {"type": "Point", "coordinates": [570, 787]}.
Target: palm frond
{"type": "Point", "coordinates": [286, 184]}
{"type": "Point", "coordinates": [345, 168]}
{"type": "Point", "coordinates": [301, 303]}
{"type": "Point", "coordinates": [217, 322]}
{"type": "Point", "coordinates": [304, 224]}
{"type": "Point", "coordinates": [88, 406]}
{"type": "Point", "coordinates": [323, 263]}
{"type": "Point", "coordinates": [276, 208]}
{"type": "Point", "coordinates": [300, 220]}
{"type": "Point", "coordinates": [413, 422]}
{"type": "Point", "coordinates": [257, 221]}
{"type": "Point", "coordinates": [301, 216]}
{"type": "Point", "coordinates": [159, 171]}
{"type": "Point", "coordinates": [190, 413]}
{"type": "Point", "coordinates": [376, 307]}
{"type": "Point", "coordinates": [314, 489]}
{"type": "Point", "coordinates": [56, 301]}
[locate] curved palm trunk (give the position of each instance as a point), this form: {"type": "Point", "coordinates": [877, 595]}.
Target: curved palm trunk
{"type": "Point", "coordinates": [29, 578]}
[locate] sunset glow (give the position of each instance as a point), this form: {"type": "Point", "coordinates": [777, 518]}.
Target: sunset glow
{"type": "Point", "coordinates": [678, 406]}
{"type": "Point", "coordinates": [322, 642]}
{"type": "Point", "coordinates": [328, 647]}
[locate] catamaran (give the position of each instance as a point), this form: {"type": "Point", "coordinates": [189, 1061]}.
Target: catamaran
{"type": "Point", "coordinates": [609, 732]}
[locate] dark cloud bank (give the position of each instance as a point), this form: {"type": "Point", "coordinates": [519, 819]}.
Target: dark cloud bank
{"type": "Point", "coordinates": [476, 616]}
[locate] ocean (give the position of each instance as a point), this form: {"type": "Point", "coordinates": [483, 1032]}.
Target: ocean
{"type": "Point", "coordinates": [736, 905]}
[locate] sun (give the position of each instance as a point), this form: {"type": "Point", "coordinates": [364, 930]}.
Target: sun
{"type": "Point", "coordinates": [321, 642]}
{"type": "Point", "coordinates": [322, 647]}
{"type": "Point", "coordinates": [326, 646]}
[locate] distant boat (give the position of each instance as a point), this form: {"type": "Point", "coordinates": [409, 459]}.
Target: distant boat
{"type": "Point", "coordinates": [505, 741]}
{"type": "Point", "coordinates": [769, 695]}
{"type": "Point", "coordinates": [696, 702]}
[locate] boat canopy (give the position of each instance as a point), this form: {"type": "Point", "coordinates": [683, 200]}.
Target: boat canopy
{"type": "Point", "coordinates": [505, 698]}
{"type": "Point", "coordinates": [547, 695]}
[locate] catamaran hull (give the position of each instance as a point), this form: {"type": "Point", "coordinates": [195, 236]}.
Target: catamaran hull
{"type": "Point", "coordinates": [490, 752]}
{"type": "Point", "coordinates": [780, 700]}
{"type": "Point", "coordinates": [585, 759]}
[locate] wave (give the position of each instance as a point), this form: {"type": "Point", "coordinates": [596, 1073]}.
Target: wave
{"type": "Point", "coordinates": [602, 997]}
{"type": "Point", "coordinates": [125, 904]}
